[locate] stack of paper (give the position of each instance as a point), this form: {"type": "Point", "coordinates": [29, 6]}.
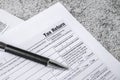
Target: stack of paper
{"type": "Point", "coordinates": [7, 22]}
{"type": "Point", "coordinates": [56, 34]}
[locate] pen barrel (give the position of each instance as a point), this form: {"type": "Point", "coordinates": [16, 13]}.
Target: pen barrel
{"type": "Point", "coordinates": [27, 55]}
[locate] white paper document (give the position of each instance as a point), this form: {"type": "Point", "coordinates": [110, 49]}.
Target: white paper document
{"type": "Point", "coordinates": [56, 34]}
{"type": "Point", "coordinates": [8, 21]}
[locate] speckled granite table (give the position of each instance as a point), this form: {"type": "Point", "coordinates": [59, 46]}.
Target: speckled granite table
{"type": "Point", "coordinates": [100, 17]}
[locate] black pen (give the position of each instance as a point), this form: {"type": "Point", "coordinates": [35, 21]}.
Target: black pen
{"type": "Point", "coordinates": [31, 56]}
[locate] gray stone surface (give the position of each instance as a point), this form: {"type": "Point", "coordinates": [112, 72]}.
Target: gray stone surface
{"type": "Point", "coordinates": [100, 17]}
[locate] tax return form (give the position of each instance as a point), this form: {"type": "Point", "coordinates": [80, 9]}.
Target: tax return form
{"type": "Point", "coordinates": [56, 34]}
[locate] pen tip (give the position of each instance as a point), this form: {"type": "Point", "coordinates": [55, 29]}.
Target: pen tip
{"type": "Point", "coordinates": [66, 68]}
{"type": "Point", "coordinates": [58, 65]}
